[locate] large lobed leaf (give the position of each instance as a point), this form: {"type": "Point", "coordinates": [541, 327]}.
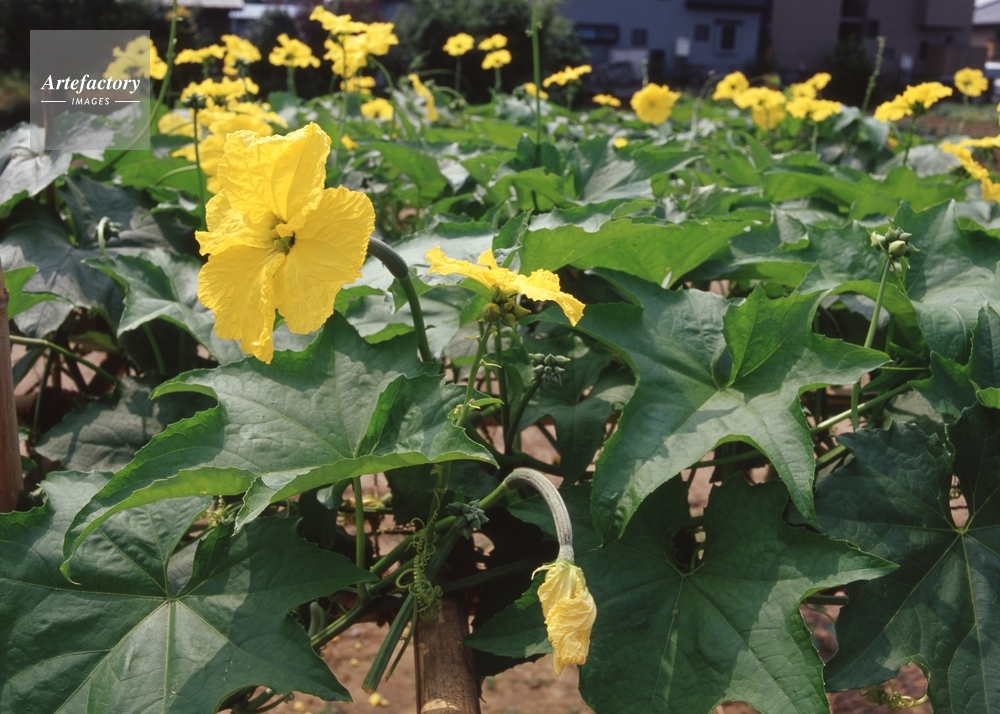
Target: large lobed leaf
{"type": "Point", "coordinates": [145, 629]}
{"type": "Point", "coordinates": [710, 373]}
{"type": "Point", "coordinates": [339, 409]}
{"type": "Point", "coordinates": [939, 609]}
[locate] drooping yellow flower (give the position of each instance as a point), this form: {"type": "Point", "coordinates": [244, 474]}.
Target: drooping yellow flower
{"type": "Point", "coordinates": [532, 91]}
{"type": "Point", "coordinates": [292, 53]}
{"type": "Point", "coordinates": [238, 51]}
{"type": "Point", "coordinates": [277, 239]}
{"type": "Point", "coordinates": [496, 59]}
{"type": "Point", "coordinates": [494, 42]}
{"type": "Point", "coordinates": [971, 82]}
{"type": "Point", "coordinates": [731, 85]}
{"type": "Point", "coordinates": [569, 611]}
{"type": "Point", "coordinates": [422, 91]}
{"type": "Point", "coordinates": [200, 56]}
{"type": "Point", "coordinates": [620, 142]}
{"type": "Point", "coordinates": [377, 109]}
{"type": "Point", "coordinates": [653, 103]}
{"type": "Point", "coordinates": [458, 45]}
{"type": "Point", "coordinates": [540, 285]}
{"type": "Point", "coordinates": [607, 100]}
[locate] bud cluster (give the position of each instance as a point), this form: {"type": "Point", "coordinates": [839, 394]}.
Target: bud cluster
{"type": "Point", "coordinates": [895, 242]}
{"type": "Point", "coordinates": [547, 368]}
{"type": "Point", "coordinates": [503, 308]}
{"type": "Point", "coordinates": [469, 516]}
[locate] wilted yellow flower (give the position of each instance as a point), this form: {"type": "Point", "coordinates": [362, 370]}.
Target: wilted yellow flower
{"type": "Point", "coordinates": [348, 143]}
{"type": "Point", "coordinates": [731, 85]}
{"type": "Point", "coordinates": [199, 56]}
{"type": "Point", "coordinates": [277, 239]}
{"type": "Point", "coordinates": [620, 142]}
{"type": "Point", "coordinates": [292, 53]}
{"type": "Point", "coordinates": [926, 94]}
{"type": "Point", "coordinates": [422, 91]}
{"type": "Point", "coordinates": [238, 50]}
{"type": "Point", "coordinates": [607, 100]}
{"type": "Point", "coordinates": [495, 42]}
{"type": "Point", "coordinates": [540, 285]}
{"type": "Point", "coordinates": [496, 59]}
{"type": "Point", "coordinates": [971, 82]}
{"type": "Point", "coordinates": [532, 91]}
{"type": "Point", "coordinates": [458, 45]}
{"type": "Point", "coordinates": [653, 104]}
{"type": "Point", "coordinates": [377, 108]}
{"type": "Point", "coordinates": [569, 611]}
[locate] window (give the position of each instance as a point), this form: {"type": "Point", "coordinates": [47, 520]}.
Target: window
{"type": "Point", "coordinates": [727, 38]}
{"type": "Point", "coordinates": [872, 28]}
{"type": "Point", "coordinates": [702, 33]}
{"type": "Point", "coordinates": [605, 34]}
{"type": "Point", "coordinates": [639, 38]}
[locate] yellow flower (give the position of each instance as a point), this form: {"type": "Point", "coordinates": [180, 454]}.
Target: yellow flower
{"type": "Point", "coordinates": [136, 60]}
{"type": "Point", "coordinates": [458, 45]}
{"type": "Point", "coordinates": [348, 143]}
{"type": "Point", "coordinates": [570, 74]}
{"type": "Point", "coordinates": [620, 142]}
{"type": "Point", "coordinates": [377, 109]}
{"type": "Point", "coordinates": [495, 42]}
{"type": "Point", "coordinates": [926, 94]}
{"type": "Point", "coordinates": [292, 53]}
{"type": "Point", "coordinates": [607, 100]}
{"type": "Point", "coordinates": [199, 56]}
{"type": "Point", "coordinates": [220, 93]}
{"type": "Point", "coordinates": [157, 67]}
{"type": "Point", "coordinates": [731, 85]}
{"type": "Point", "coordinates": [532, 91]}
{"type": "Point", "coordinates": [653, 104]}
{"type": "Point", "coordinates": [496, 59]}
{"type": "Point", "coordinates": [422, 91]}
{"type": "Point", "coordinates": [540, 285]}
{"type": "Point", "coordinates": [971, 82]}
{"type": "Point", "coordinates": [893, 110]}
{"type": "Point", "coordinates": [238, 49]}
{"type": "Point", "coordinates": [277, 239]}
{"type": "Point", "coordinates": [379, 37]}
{"type": "Point", "coordinates": [815, 109]}
{"type": "Point", "coordinates": [349, 54]}
{"type": "Point", "coordinates": [336, 25]}
{"type": "Point", "coordinates": [803, 90]}
{"type": "Point", "coordinates": [569, 611]}
{"type": "Point", "coordinates": [766, 106]}
{"type": "Point", "coordinates": [360, 83]}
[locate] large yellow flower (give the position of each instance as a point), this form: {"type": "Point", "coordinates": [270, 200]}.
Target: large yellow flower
{"type": "Point", "coordinates": [540, 285]}
{"type": "Point", "coordinates": [200, 56]}
{"type": "Point", "coordinates": [458, 45]}
{"type": "Point", "coordinates": [971, 82]}
{"type": "Point", "coordinates": [377, 109]}
{"type": "Point", "coordinates": [494, 42]}
{"type": "Point", "coordinates": [238, 50]}
{"type": "Point", "coordinates": [277, 239]}
{"type": "Point", "coordinates": [653, 104]}
{"type": "Point", "coordinates": [893, 110]}
{"type": "Point", "coordinates": [569, 611]}
{"type": "Point", "coordinates": [496, 59]}
{"type": "Point", "coordinates": [731, 85]}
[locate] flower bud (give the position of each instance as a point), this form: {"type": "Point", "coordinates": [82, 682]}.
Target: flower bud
{"type": "Point", "coordinates": [490, 312]}
{"type": "Point", "coordinates": [897, 248]}
{"type": "Point", "coordinates": [878, 241]}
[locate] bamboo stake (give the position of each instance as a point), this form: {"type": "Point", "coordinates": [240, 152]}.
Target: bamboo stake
{"type": "Point", "coordinates": [446, 677]}
{"type": "Point", "coordinates": [11, 480]}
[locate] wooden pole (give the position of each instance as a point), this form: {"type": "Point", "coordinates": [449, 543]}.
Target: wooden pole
{"type": "Point", "coordinates": [11, 480]}
{"type": "Point", "coordinates": [446, 676]}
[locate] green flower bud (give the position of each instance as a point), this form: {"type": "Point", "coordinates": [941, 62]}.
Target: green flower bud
{"type": "Point", "coordinates": [897, 248]}
{"type": "Point", "coordinates": [490, 313]}
{"type": "Point", "coordinates": [878, 241]}
{"type": "Point", "coordinates": [508, 319]}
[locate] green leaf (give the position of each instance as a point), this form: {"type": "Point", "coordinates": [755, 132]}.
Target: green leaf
{"type": "Point", "coordinates": [418, 166]}
{"type": "Point", "coordinates": [149, 628]}
{"type": "Point", "coordinates": [532, 189]}
{"type": "Point", "coordinates": [161, 284]}
{"type": "Point", "coordinates": [518, 631]}
{"type": "Point", "coordinates": [709, 373]}
{"type": "Point", "coordinates": [105, 435]}
{"type": "Point", "coordinates": [939, 609]}
{"type": "Point", "coordinates": [20, 301]}
{"type": "Point", "coordinates": [682, 631]}
{"type": "Point", "coordinates": [654, 250]}
{"type": "Point", "coordinates": [339, 409]}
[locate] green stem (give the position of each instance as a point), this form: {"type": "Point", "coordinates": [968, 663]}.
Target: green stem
{"type": "Point", "coordinates": [157, 355]}
{"type": "Point", "coordinates": [343, 110]}
{"type": "Point", "coordinates": [484, 340]}
{"type": "Point", "coordinates": [511, 430]}
{"type": "Point", "coordinates": [41, 389]}
{"type": "Point", "coordinates": [536, 66]}
{"type": "Point", "coordinates": [871, 87]}
{"type": "Point", "coordinates": [197, 161]}
{"type": "Point", "coordinates": [291, 83]}
{"type": "Point", "coordinates": [909, 139]}
{"type": "Point", "coordinates": [395, 264]}
{"type": "Point", "coordinates": [359, 535]}
{"type": "Point", "coordinates": [837, 418]}
{"type": "Point", "coordinates": [496, 80]}
{"type": "Point", "coordinates": [31, 341]}
{"type": "Point", "coordinates": [856, 389]}
{"type": "Point", "coordinates": [173, 172]}
{"type": "Point", "coordinates": [815, 135]}
{"type": "Point", "coordinates": [831, 455]}
{"type": "Point", "coordinates": [502, 384]}
{"type": "Point", "coordinates": [965, 107]}
{"type": "Point", "coordinates": [458, 75]}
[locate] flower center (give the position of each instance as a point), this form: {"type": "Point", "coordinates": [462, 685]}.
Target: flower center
{"type": "Point", "coordinates": [281, 241]}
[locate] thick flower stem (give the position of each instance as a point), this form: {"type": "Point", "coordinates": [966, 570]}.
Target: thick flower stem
{"type": "Point", "coordinates": [536, 65]}
{"type": "Point", "coordinates": [549, 493]}
{"type": "Point", "coordinates": [856, 390]}
{"type": "Point", "coordinates": [395, 264]}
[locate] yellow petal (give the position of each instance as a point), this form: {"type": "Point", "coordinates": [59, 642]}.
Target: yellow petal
{"type": "Point", "coordinates": [544, 285]}
{"type": "Point", "coordinates": [227, 228]}
{"type": "Point", "coordinates": [273, 179]}
{"type": "Point", "coordinates": [238, 286]}
{"type": "Point", "coordinates": [569, 611]}
{"type": "Point", "coordinates": [329, 250]}
{"type": "Point", "coordinates": [442, 264]}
